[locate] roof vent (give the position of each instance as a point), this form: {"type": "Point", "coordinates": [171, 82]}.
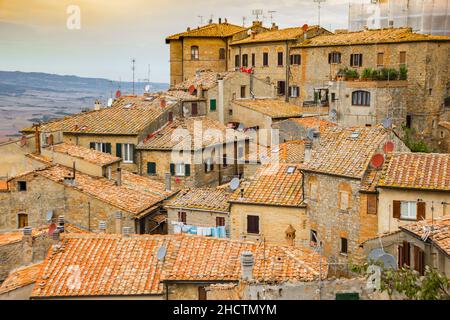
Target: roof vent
{"type": "Point", "coordinates": [291, 170]}
{"type": "Point", "coordinates": [354, 135]}
{"type": "Point", "coordinates": [128, 106]}
{"type": "Point", "coordinates": [27, 231]}
{"type": "Point", "coordinates": [102, 226]}
{"type": "Point", "coordinates": [126, 231]}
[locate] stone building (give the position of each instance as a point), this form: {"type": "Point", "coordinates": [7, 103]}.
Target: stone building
{"type": "Point", "coordinates": [20, 283]}
{"type": "Point", "coordinates": [269, 208]}
{"type": "Point", "coordinates": [268, 54]}
{"type": "Point", "coordinates": [339, 186]}
{"type": "Point", "coordinates": [200, 207]}
{"type": "Point", "coordinates": [218, 90]}
{"type": "Point", "coordinates": [168, 267]}
{"type": "Point", "coordinates": [411, 187]}
{"type": "Point", "coordinates": [118, 198]}
{"type": "Point", "coordinates": [443, 131]}
{"type": "Point", "coordinates": [420, 60]}
{"type": "Point", "coordinates": [194, 151]}
{"type": "Point", "coordinates": [116, 129]}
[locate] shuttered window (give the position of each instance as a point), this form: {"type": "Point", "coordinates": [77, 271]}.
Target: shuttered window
{"type": "Point", "coordinates": [253, 224]}
{"type": "Point", "coordinates": [280, 59]}
{"type": "Point", "coordinates": [265, 59]}
{"type": "Point", "coordinates": [380, 58]}
{"type": "Point", "coordinates": [182, 217]}
{"type": "Point", "coordinates": [128, 152]}
{"type": "Point", "coordinates": [194, 53]}
{"type": "Point", "coordinates": [420, 210]}
{"type": "Point", "coordinates": [180, 169]}
{"type": "Point", "coordinates": [237, 61]}
{"type": "Point", "coordinates": [334, 57]}
{"type": "Point", "coordinates": [22, 220]}
{"type": "Point", "coordinates": [281, 88]}
{"type": "Point", "coordinates": [222, 53]}
{"type": "Point", "coordinates": [419, 260]}
{"type": "Point", "coordinates": [402, 58]}
{"type": "Point", "coordinates": [295, 59]}
{"type": "Point", "coordinates": [371, 204]}
{"type": "Point", "coordinates": [344, 245]}
{"type": "Point", "coordinates": [212, 105]}
{"type": "Point", "coordinates": [245, 60]}
{"type": "Point", "coordinates": [253, 59]}
{"type": "Point", "coordinates": [220, 221]}
{"type": "Point", "coordinates": [151, 168]}
{"type": "Point", "coordinates": [361, 98]}
{"type": "Point", "coordinates": [356, 60]}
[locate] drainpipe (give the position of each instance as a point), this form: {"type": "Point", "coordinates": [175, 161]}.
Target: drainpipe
{"type": "Point", "coordinates": [287, 72]}
{"type": "Point", "coordinates": [220, 94]}
{"type": "Point", "coordinates": [37, 139]}
{"type": "Point", "coordinates": [182, 59]}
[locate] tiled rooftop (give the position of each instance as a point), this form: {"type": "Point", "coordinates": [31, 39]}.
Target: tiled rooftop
{"type": "Point", "coordinates": [376, 36]}
{"type": "Point", "coordinates": [286, 152]}
{"type": "Point", "coordinates": [135, 195]}
{"type": "Point", "coordinates": [220, 30]}
{"type": "Point", "coordinates": [89, 155]}
{"type": "Point", "coordinates": [439, 235]}
{"type": "Point", "coordinates": [274, 108]}
{"type": "Point", "coordinates": [128, 115]}
{"type": "Point", "coordinates": [207, 199]}
{"type": "Point", "coordinates": [293, 33]}
{"type": "Point", "coordinates": [113, 265]}
{"type": "Point", "coordinates": [427, 171]}
{"type": "Point", "coordinates": [445, 124]}
{"type": "Point", "coordinates": [204, 79]}
{"type": "Point", "coordinates": [345, 151]}
{"type": "Point", "coordinates": [21, 277]}
{"type": "Point", "coordinates": [163, 138]}
{"type": "Point", "coordinates": [273, 184]}
{"type": "Point", "coordinates": [313, 122]}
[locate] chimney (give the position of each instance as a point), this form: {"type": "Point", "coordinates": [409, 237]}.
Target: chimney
{"type": "Point", "coordinates": [247, 263]}
{"type": "Point", "coordinates": [126, 232]}
{"type": "Point", "coordinates": [102, 226]}
{"type": "Point", "coordinates": [55, 236]}
{"type": "Point", "coordinates": [188, 29]}
{"type": "Point", "coordinates": [308, 150]}
{"type": "Point", "coordinates": [168, 181]}
{"type": "Point", "coordinates": [61, 223]}
{"type": "Point", "coordinates": [119, 176]}
{"type": "Point", "coordinates": [220, 20]}
{"type": "Point", "coordinates": [97, 105]}
{"type": "Point", "coordinates": [27, 246]}
{"type": "Point", "coordinates": [118, 222]}
{"type": "Point", "coordinates": [37, 138]}
{"type": "Point", "coordinates": [274, 26]}
{"type": "Point", "coordinates": [163, 103]}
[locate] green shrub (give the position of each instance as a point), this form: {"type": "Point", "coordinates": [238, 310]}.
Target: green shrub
{"type": "Point", "coordinates": [367, 73]}
{"type": "Point", "coordinates": [403, 73]}
{"type": "Point", "coordinates": [386, 74]}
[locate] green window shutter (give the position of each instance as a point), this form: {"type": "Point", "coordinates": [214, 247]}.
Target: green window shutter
{"type": "Point", "coordinates": [172, 169]}
{"type": "Point", "coordinates": [347, 296]}
{"type": "Point", "coordinates": [119, 150]}
{"type": "Point", "coordinates": [187, 170]}
{"type": "Point", "coordinates": [108, 148]}
{"type": "Point", "coordinates": [151, 167]}
{"type": "Point", "coordinates": [92, 145]}
{"type": "Point", "coordinates": [212, 105]}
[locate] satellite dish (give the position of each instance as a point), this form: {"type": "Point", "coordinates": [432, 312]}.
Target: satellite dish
{"type": "Point", "coordinates": [375, 254]}
{"type": "Point", "coordinates": [147, 88]}
{"type": "Point", "coordinates": [234, 184]}
{"type": "Point", "coordinates": [161, 254]}
{"type": "Point", "coordinates": [49, 216]}
{"type": "Point", "coordinates": [386, 123]}
{"type": "Point", "coordinates": [333, 113]}
{"type": "Point", "coordinates": [388, 147]}
{"type": "Point", "coordinates": [388, 260]}
{"type": "Point", "coordinates": [377, 161]}
{"type": "Point", "coordinates": [110, 102]}
{"type": "Point", "coordinates": [310, 133]}
{"type": "Point", "coordinates": [118, 94]}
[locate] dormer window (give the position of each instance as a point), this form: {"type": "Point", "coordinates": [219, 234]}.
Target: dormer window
{"type": "Point", "coordinates": [194, 53]}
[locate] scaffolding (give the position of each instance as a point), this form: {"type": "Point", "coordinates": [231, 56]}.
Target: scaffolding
{"type": "Point", "coordinates": [423, 16]}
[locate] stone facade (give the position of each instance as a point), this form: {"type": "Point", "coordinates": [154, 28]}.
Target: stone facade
{"type": "Point", "coordinates": [199, 218]}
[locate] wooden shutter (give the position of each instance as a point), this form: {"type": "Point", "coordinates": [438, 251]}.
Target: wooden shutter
{"type": "Point", "coordinates": [400, 257]}
{"type": "Point", "coordinates": [133, 152]}
{"type": "Point", "coordinates": [212, 105]}
{"type": "Point", "coordinates": [201, 293]}
{"type": "Point", "coordinates": [119, 150]}
{"type": "Point", "coordinates": [417, 258]}
{"type": "Point", "coordinates": [187, 170]}
{"type": "Point", "coordinates": [329, 58]}
{"type": "Point", "coordinates": [406, 253]}
{"type": "Point", "coordinates": [220, 221]}
{"type": "Point", "coordinates": [172, 169]}
{"type": "Point", "coordinates": [360, 59]}
{"type": "Point", "coordinates": [420, 210]}
{"type": "Point", "coordinates": [371, 204]}
{"type": "Point", "coordinates": [396, 205]}
{"type": "Point", "coordinates": [92, 145]}
{"type": "Point", "coordinates": [108, 147]}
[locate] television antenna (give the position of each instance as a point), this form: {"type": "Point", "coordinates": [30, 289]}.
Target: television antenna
{"type": "Point", "coordinates": [271, 12]}
{"type": "Point", "coordinates": [319, 5]}
{"type": "Point", "coordinates": [133, 68]}
{"type": "Point", "coordinates": [257, 13]}
{"type": "Point", "coordinates": [201, 19]}
{"type": "Point", "coordinates": [243, 21]}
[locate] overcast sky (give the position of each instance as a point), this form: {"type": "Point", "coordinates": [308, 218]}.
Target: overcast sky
{"type": "Point", "coordinates": [34, 34]}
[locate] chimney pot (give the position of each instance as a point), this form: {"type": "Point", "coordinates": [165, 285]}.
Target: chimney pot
{"type": "Point", "coordinates": [102, 226]}
{"type": "Point", "coordinates": [168, 181]}
{"type": "Point", "coordinates": [27, 231]}
{"type": "Point", "coordinates": [308, 150]}
{"type": "Point", "coordinates": [126, 231]}
{"type": "Point", "coordinates": [55, 235]}
{"type": "Point", "coordinates": [119, 177]}
{"type": "Point", "coordinates": [220, 20]}
{"type": "Point", "coordinates": [247, 264]}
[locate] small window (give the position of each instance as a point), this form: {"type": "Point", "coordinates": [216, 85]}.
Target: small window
{"type": "Point", "coordinates": [265, 59]}
{"type": "Point", "coordinates": [22, 219]}
{"type": "Point", "coordinates": [194, 53]}
{"type": "Point", "coordinates": [230, 112]}
{"type": "Point", "coordinates": [253, 224]}
{"type": "Point", "coordinates": [280, 59]}
{"type": "Point", "coordinates": [222, 53]}
{"type": "Point", "coordinates": [333, 97]}
{"type": "Point", "coordinates": [293, 91]}
{"type": "Point", "coordinates": [361, 98]}
{"type": "Point", "coordinates": [194, 108]}
{"type": "Point", "coordinates": [295, 59]}
{"type": "Point", "coordinates": [402, 58]}
{"type": "Point", "coordinates": [212, 105]}
{"type": "Point", "coordinates": [128, 152]}
{"type": "Point", "coordinates": [237, 61]}
{"type": "Point", "coordinates": [243, 91]}
{"type": "Point", "coordinates": [179, 169]}
{"type": "Point", "coordinates": [21, 185]}
{"type": "Point", "coordinates": [182, 217]}
{"type": "Point", "coordinates": [151, 168]}
{"type": "Point", "coordinates": [408, 121]}
{"type": "Point", "coordinates": [334, 57]}
{"type": "Point", "coordinates": [313, 237]}
{"type": "Point", "coordinates": [344, 245]}
{"type": "Point", "coordinates": [408, 210]}
{"type": "Point", "coordinates": [224, 161]}
{"type": "Point", "coordinates": [209, 165]}
{"type": "Point", "coordinates": [356, 60]}
{"type": "Point", "coordinates": [220, 222]}
{"type": "Point", "coordinates": [240, 152]}
{"type": "Point", "coordinates": [380, 59]}
{"type": "Point", "coordinates": [442, 134]}
{"type": "Point", "coordinates": [253, 60]}
{"type": "Point", "coordinates": [281, 88]}
{"type": "Point", "coordinates": [245, 60]}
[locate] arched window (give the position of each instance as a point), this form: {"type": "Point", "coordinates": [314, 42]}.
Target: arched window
{"type": "Point", "coordinates": [194, 53]}
{"type": "Point", "coordinates": [222, 53]}
{"type": "Point", "coordinates": [361, 98]}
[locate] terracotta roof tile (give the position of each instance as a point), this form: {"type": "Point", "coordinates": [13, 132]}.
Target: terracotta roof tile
{"type": "Point", "coordinates": [313, 122]}
{"type": "Point", "coordinates": [163, 138]}
{"type": "Point", "coordinates": [3, 185]}
{"type": "Point", "coordinates": [286, 152]}
{"type": "Point", "coordinates": [128, 115]}
{"type": "Point", "coordinates": [204, 79]}
{"type": "Point", "coordinates": [89, 155]}
{"type": "Point", "coordinates": [445, 124]}
{"type": "Point", "coordinates": [345, 151]}
{"type": "Point", "coordinates": [428, 171]}
{"type": "Point", "coordinates": [376, 36]}
{"type": "Point", "coordinates": [439, 231]}
{"type": "Point", "coordinates": [221, 30]}
{"type": "Point", "coordinates": [17, 235]}
{"type": "Point", "coordinates": [273, 184]}
{"type": "Point", "coordinates": [293, 33]}
{"type": "Point", "coordinates": [273, 108]}
{"type": "Point", "coordinates": [208, 199]}
{"type": "Point", "coordinates": [21, 277]}
{"type": "Point", "coordinates": [115, 265]}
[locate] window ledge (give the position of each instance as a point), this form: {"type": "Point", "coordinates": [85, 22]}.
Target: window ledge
{"type": "Point", "coordinates": [407, 219]}
{"type": "Point", "coordinates": [128, 162]}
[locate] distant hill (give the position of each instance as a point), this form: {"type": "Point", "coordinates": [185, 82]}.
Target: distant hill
{"type": "Point", "coordinates": [27, 97]}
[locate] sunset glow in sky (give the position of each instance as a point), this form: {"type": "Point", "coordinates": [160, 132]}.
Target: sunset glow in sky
{"type": "Point", "coordinates": [34, 34]}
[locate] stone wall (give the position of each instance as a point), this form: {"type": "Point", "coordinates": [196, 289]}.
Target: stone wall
{"type": "Point", "coordinates": [197, 218]}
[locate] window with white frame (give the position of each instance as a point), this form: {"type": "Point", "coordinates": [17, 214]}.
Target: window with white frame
{"type": "Point", "coordinates": [127, 152]}
{"type": "Point", "coordinates": [408, 210]}
{"type": "Point", "coordinates": [100, 146]}
{"type": "Point", "coordinates": [180, 169]}
{"type": "Point", "coordinates": [293, 91]}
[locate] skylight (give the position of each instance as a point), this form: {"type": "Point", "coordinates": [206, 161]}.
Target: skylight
{"type": "Point", "coordinates": [291, 170]}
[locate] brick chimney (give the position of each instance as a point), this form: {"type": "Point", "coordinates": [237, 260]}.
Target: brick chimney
{"type": "Point", "coordinates": [119, 177]}
{"type": "Point", "coordinates": [308, 151]}
{"type": "Point", "coordinates": [168, 180]}
{"type": "Point", "coordinates": [102, 226]}
{"type": "Point", "coordinates": [27, 246]}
